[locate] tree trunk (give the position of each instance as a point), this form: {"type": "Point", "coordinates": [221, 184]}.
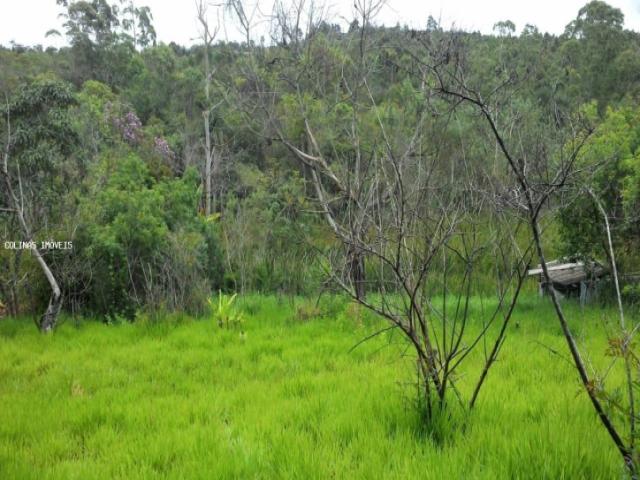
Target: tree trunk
{"type": "Point", "coordinates": [207, 130]}
{"type": "Point", "coordinates": [207, 164]}
{"type": "Point", "coordinates": [49, 319]}
{"type": "Point", "coordinates": [216, 163]}
{"type": "Point", "coordinates": [357, 273]}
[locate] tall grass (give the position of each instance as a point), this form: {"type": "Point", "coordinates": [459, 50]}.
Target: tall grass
{"type": "Point", "coordinates": [186, 399]}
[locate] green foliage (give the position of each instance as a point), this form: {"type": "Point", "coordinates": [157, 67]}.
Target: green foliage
{"type": "Point", "coordinates": [265, 234]}
{"type": "Point", "coordinates": [152, 90]}
{"type": "Point", "coordinates": [631, 294]}
{"type": "Point", "coordinates": [307, 311]}
{"type": "Point", "coordinates": [94, 100]}
{"type": "Point", "coordinates": [145, 240]}
{"type": "Point", "coordinates": [103, 38]}
{"type": "Point", "coordinates": [599, 39]}
{"type": "Point", "coordinates": [613, 155]}
{"type": "Point", "coordinates": [42, 169]}
{"type": "Point", "coordinates": [225, 312]}
{"type": "Point", "coordinates": [66, 136]}
{"type": "Point", "coordinates": [41, 128]}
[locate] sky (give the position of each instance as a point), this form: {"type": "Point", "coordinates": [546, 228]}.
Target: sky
{"type": "Point", "coordinates": [26, 21]}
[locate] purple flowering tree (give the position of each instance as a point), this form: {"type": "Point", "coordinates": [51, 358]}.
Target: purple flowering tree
{"type": "Point", "coordinates": [129, 126]}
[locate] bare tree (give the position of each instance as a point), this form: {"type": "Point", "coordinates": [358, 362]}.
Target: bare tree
{"type": "Point", "coordinates": [212, 154]}
{"type": "Point", "coordinates": [621, 346]}
{"type": "Point", "coordinates": [245, 14]}
{"type": "Point", "coordinates": [421, 229]}
{"type": "Point", "coordinates": [540, 167]}
{"type": "Point", "coordinates": [378, 182]}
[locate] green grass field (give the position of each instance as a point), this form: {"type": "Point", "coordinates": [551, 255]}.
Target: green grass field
{"type": "Point", "coordinates": [185, 399]}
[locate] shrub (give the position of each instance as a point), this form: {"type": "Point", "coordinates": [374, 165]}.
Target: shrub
{"type": "Point", "coordinates": [146, 244]}
{"type": "Point", "coordinates": [307, 311]}
{"type": "Point", "coordinates": [225, 312]}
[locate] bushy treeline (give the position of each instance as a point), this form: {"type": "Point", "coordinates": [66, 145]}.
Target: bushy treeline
{"type": "Point", "coordinates": [107, 141]}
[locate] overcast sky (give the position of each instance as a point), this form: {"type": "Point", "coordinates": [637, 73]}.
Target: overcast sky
{"type": "Point", "coordinates": [26, 21]}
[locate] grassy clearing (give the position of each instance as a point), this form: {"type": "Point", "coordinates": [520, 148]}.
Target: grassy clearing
{"type": "Point", "coordinates": [185, 399]}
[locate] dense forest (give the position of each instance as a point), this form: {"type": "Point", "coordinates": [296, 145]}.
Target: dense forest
{"type": "Point", "coordinates": [412, 171]}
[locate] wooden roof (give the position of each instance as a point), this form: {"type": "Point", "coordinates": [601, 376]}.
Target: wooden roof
{"type": "Point", "coordinates": [570, 273]}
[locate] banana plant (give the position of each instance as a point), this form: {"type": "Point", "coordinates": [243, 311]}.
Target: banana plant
{"type": "Point", "coordinates": [225, 312]}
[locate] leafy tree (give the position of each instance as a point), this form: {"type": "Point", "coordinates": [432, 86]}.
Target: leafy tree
{"type": "Point", "coordinates": [611, 162]}
{"type": "Point", "coordinates": [596, 38]}
{"type": "Point", "coordinates": [39, 141]}
{"type": "Point", "coordinates": [505, 28]}
{"type": "Point", "coordinates": [103, 38]}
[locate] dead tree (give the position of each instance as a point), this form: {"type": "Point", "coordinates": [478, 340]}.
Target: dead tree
{"type": "Point", "coordinates": [621, 346]}
{"type": "Point", "coordinates": [212, 155]}
{"type": "Point", "coordinates": [244, 14]}
{"type": "Point", "coordinates": [540, 170]}
{"type": "Point", "coordinates": [379, 184]}
{"type": "Point", "coordinates": [422, 230]}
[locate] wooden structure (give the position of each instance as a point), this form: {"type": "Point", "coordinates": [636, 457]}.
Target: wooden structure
{"type": "Point", "coordinates": [571, 278]}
